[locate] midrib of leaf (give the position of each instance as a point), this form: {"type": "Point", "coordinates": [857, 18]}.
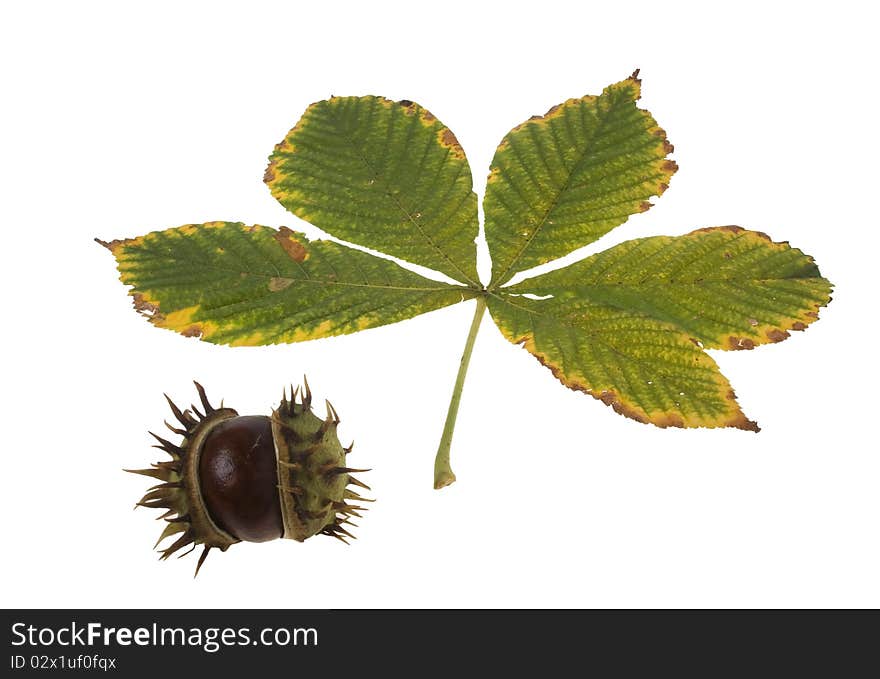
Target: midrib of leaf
{"type": "Point", "coordinates": [696, 258]}
{"type": "Point", "coordinates": [565, 187]}
{"type": "Point", "coordinates": [597, 336]}
{"type": "Point", "coordinates": [370, 286]}
{"type": "Point", "coordinates": [700, 255]}
{"type": "Point", "coordinates": [313, 281]}
{"type": "Point", "coordinates": [377, 177]}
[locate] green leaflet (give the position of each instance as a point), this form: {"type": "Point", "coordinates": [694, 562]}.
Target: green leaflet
{"type": "Point", "coordinates": [385, 175]}
{"type": "Point", "coordinates": [644, 368]}
{"type": "Point", "coordinates": [726, 287]}
{"type": "Point", "coordinates": [246, 285]}
{"type": "Point", "coordinates": [562, 180]}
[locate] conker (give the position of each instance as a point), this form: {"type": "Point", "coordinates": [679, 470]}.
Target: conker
{"type": "Point", "coordinates": [252, 478]}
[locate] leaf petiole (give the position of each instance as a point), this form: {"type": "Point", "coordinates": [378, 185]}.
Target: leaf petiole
{"type": "Point", "coordinates": [443, 475]}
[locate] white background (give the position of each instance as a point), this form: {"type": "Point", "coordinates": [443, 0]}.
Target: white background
{"type": "Point", "coordinates": [119, 119]}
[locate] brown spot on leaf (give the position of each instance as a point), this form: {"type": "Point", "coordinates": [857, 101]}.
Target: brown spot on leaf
{"type": "Point", "coordinates": [269, 174]}
{"type": "Point", "coordinates": [777, 335]}
{"type": "Point", "coordinates": [610, 398]}
{"type": "Point", "coordinates": [644, 206]}
{"type": "Point", "coordinates": [142, 306]}
{"type": "Point", "coordinates": [427, 116]}
{"type": "Point", "coordinates": [277, 284]}
{"type": "Point", "coordinates": [670, 166]}
{"type": "Point", "coordinates": [662, 188]}
{"type": "Point", "coordinates": [194, 330]}
{"type": "Point", "coordinates": [727, 255]}
{"type": "Point", "coordinates": [740, 343]}
{"type": "Point", "coordinates": [537, 119]}
{"type": "Point", "coordinates": [797, 325]}
{"type": "Point", "coordinates": [447, 139]}
{"type": "Point", "coordinates": [659, 132]}
{"type": "Point", "coordinates": [712, 229]}
{"type": "Point", "coordinates": [286, 238]}
{"type": "Point", "coordinates": [409, 107]}
{"type": "Point", "coordinates": [667, 147]}
{"type": "Point", "coordinates": [812, 314]}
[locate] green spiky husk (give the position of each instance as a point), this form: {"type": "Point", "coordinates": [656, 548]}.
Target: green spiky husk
{"type": "Point", "coordinates": [312, 476]}
{"type": "Point", "coordinates": [179, 492]}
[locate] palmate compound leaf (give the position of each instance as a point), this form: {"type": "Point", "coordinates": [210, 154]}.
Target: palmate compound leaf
{"type": "Point", "coordinates": [628, 325]}
{"type": "Point", "coordinates": [385, 175]}
{"type": "Point", "coordinates": [229, 283]}
{"type": "Point", "coordinates": [562, 180]}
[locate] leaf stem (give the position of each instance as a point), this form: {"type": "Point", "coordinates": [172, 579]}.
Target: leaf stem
{"type": "Point", "coordinates": [443, 475]}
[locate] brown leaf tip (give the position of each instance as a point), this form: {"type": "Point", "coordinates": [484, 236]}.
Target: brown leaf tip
{"type": "Point", "coordinates": [744, 423]}
{"type": "Point", "coordinates": [114, 245]}
{"type": "Point", "coordinates": [637, 83]}
{"type": "Point", "coordinates": [740, 421]}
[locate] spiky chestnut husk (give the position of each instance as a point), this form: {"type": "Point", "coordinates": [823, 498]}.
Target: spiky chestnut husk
{"type": "Point", "coordinates": [252, 478]}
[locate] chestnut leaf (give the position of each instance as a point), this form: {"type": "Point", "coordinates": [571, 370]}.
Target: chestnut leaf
{"type": "Point", "coordinates": [629, 326]}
